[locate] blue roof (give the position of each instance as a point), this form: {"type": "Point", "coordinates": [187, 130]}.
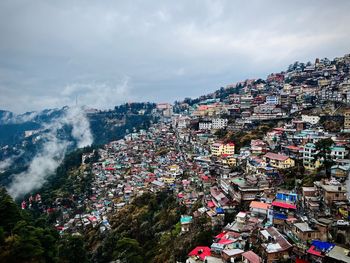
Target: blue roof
{"type": "Point", "coordinates": [323, 246]}
{"type": "Point", "coordinates": [219, 210]}
{"type": "Point", "coordinates": [279, 216]}
{"type": "Point", "coordinates": [186, 219]}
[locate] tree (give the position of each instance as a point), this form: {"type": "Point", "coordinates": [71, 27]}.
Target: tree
{"type": "Point", "coordinates": [128, 250]}
{"type": "Point", "coordinates": [9, 211]}
{"type": "Point", "coordinates": [72, 249]}
{"type": "Point", "coordinates": [323, 149]}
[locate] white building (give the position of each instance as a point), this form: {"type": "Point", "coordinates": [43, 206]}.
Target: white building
{"type": "Point", "coordinates": [273, 99]}
{"type": "Point", "coordinates": [206, 125]}
{"type": "Point", "coordinates": [219, 123]}
{"type": "Point", "coordinates": [338, 152]}
{"type": "Point", "coordinates": [310, 119]}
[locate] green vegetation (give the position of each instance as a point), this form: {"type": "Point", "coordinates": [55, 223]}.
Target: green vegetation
{"type": "Point", "coordinates": [243, 138]}
{"type": "Point", "coordinates": [324, 153]}
{"type": "Point", "coordinates": [28, 235]}
{"type": "Point", "coordinates": [21, 239]}
{"type": "Point", "coordinates": [148, 230]}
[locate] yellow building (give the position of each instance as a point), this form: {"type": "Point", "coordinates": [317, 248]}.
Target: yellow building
{"type": "Point", "coordinates": [278, 160]}
{"type": "Point", "coordinates": [228, 160]}
{"type": "Point", "coordinates": [323, 82]}
{"type": "Point", "coordinates": [219, 149]}
{"type": "Point", "coordinates": [347, 119]}
{"type": "Point", "coordinates": [309, 154]}
{"type": "Point", "coordinates": [168, 180]}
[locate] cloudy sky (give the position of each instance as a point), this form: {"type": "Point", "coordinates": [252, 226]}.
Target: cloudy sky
{"type": "Point", "coordinates": [109, 52]}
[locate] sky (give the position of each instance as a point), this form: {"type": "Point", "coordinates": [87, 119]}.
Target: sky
{"type": "Point", "coordinates": [104, 53]}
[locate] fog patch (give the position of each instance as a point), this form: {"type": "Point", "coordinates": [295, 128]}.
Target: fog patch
{"type": "Point", "coordinates": [53, 151]}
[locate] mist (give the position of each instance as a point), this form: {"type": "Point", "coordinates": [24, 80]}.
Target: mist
{"type": "Point", "coordinates": [6, 164]}
{"type": "Point", "coordinates": [53, 151]}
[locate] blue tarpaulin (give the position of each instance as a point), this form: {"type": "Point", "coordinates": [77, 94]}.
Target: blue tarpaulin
{"type": "Point", "coordinates": [219, 210]}
{"type": "Point", "coordinates": [279, 216]}
{"type": "Point", "coordinates": [322, 246]}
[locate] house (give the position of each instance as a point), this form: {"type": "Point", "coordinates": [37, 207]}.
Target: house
{"type": "Point", "coordinates": [338, 152]}
{"type": "Point", "coordinates": [186, 222]}
{"type": "Point", "coordinates": [275, 246]}
{"type": "Point", "coordinates": [338, 255]}
{"type": "Point", "coordinates": [304, 232]}
{"type": "Point", "coordinates": [219, 199]}
{"type": "Point", "coordinates": [259, 208]}
{"type": "Point", "coordinates": [309, 155]}
{"type": "Point", "coordinates": [340, 171]}
{"type": "Point", "coordinates": [199, 253]}
{"type": "Point", "coordinates": [251, 257]}
{"type": "Point", "coordinates": [228, 255]}
{"type": "Point", "coordinates": [227, 159]}
{"type": "Point", "coordinates": [273, 99]}
{"type": "Point", "coordinates": [218, 149]}
{"type": "Point", "coordinates": [205, 125]}
{"type": "Point", "coordinates": [279, 161]}
{"type": "Point", "coordinates": [333, 193]}
{"type": "Point", "coordinates": [258, 147]}
{"type": "Point", "coordinates": [318, 250]}
{"type": "Point", "coordinates": [219, 123]}
{"type": "Point", "coordinates": [312, 119]}
{"type": "Point", "coordinates": [347, 120]}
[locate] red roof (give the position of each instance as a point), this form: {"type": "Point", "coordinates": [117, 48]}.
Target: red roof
{"type": "Point", "coordinates": [211, 204]}
{"type": "Point", "coordinates": [284, 205]}
{"type": "Point", "coordinates": [259, 205]}
{"type": "Point", "coordinates": [201, 252]}
{"type": "Point", "coordinates": [314, 252]}
{"type": "Point", "coordinates": [205, 177]}
{"type": "Point", "coordinates": [220, 235]}
{"type": "Point", "coordinates": [252, 257]}
{"type": "Point", "coordinates": [225, 241]}
{"type": "Point", "coordinates": [275, 156]}
{"type": "Point", "coordinates": [294, 148]}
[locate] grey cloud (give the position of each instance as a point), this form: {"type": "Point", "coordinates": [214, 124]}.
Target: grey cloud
{"type": "Point", "coordinates": [167, 49]}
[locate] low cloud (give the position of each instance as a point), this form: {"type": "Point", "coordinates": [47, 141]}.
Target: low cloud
{"type": "Point", "coordinates": [5, 164]}
{"type": "Point", "coordinates": [46, 162]}
{"type": "Point", "coordinates": [97, 95]}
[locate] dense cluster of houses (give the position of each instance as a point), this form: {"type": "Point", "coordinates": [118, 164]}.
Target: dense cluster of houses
{"type": "Point", "coordinates": [183, 153]}
{"type": "Point", "coordinates": [306, 223]}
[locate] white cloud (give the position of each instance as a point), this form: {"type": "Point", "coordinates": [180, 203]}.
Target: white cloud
{"type": "Point", "coordinates": [48, 159]}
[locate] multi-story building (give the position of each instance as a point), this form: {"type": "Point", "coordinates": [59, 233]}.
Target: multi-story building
{"type": "Point", "coordinates": [347, 119]}
{"type": "Point", "coordinates": [219, 123]}
{"type": "Point", "coordinates": [205, 125]}
{"type": "Point", "coordinates": [310, 119]}
{"type": "Point", "coordinates": [273, 99]}
{"type": "Point", "coordinates": [309, 154]}
{"type": "Point", "coordinates": [338, 152]}
{"type": "Point", "coordinates": [278, 160]}
{"type": "Point", "coordinates": [218, 149]}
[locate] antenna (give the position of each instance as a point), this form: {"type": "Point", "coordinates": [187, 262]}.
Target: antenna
{"type": "Point", "coordinates": [76, 100]}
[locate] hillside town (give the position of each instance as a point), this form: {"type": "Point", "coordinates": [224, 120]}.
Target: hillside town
{"type": "Point", "coordinates": [274, 153]}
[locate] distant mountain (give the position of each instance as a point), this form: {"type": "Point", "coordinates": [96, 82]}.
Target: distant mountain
{"type": "Point", "coordinates": [23, 136]}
